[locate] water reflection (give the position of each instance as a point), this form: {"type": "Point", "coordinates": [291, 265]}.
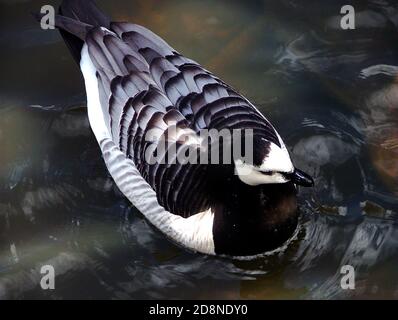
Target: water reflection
{"type": "Point", "coordinates": [332, 94]}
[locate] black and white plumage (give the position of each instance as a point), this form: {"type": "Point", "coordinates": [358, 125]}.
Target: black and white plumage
{"type": "Point", "coordinates": [136, 83]}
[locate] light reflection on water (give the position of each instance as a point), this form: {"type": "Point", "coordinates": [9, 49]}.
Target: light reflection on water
{"type": "Point", "coordinates": [332, 94]}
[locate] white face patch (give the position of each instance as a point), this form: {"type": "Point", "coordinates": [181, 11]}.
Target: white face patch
{"type": "Point", "coordinates": [270, 171]}
{"type": "Point", "coordinates": [252, 175]}
{"type": "Point", "coordinates": [278, 160]}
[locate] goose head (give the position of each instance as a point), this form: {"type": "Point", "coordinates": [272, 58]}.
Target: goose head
{"type": "Point", "coordinates": [270, 164]}
{"type": "Point", "coordinates": [258, 211]}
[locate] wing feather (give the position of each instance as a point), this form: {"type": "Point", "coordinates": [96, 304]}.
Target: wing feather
{"type": "Point", "coordinates": [155, 102]}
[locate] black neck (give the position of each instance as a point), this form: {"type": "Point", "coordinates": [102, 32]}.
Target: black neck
{"type": "Point", "coordinates": [253, 219]}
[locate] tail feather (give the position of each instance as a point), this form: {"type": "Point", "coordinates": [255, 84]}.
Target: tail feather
{"type": "Point", "coordinates": [74, 40]}
{"type": "Point", "coordinates": [76, 18]}
{"type": "Point", "coordinates": [84, 11]}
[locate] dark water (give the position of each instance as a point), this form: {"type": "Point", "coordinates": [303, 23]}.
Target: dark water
{"type": "Point", "coordinates": [332, 94]}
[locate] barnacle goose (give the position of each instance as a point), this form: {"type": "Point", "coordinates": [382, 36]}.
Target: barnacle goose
{"type": "Point", "coordinates": [136, 83]}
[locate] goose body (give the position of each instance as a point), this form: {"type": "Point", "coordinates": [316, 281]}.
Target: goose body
{"type": "Point", "coordinates": [137, 84]}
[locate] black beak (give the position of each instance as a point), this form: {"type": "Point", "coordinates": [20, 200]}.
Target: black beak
{"type": "Point", "coordinates": [301, 178]}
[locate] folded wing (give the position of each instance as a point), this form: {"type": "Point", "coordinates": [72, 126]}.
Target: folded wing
{"type": "Point", "coordinates": [155, 102]}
